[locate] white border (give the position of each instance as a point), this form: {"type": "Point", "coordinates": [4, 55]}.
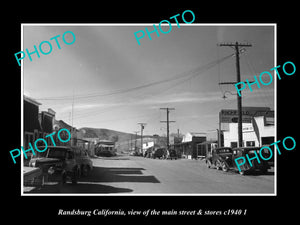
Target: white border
{"type": "Point", "coordinates": [151, 24]}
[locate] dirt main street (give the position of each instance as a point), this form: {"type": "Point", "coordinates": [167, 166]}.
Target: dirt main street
{"type": "Point", "coordinates": [136, 175]}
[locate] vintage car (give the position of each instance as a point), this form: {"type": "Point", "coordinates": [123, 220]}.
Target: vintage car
{"type": "Point", "coordinates": [263, 166]}
{"type": "Point", "coordinates": [224, 158]}
{"type": "Point", "coordinates": [58, 163]}
{"type": "Point", "coordinates": [149, 152]}
{"type": "Point", "coordinates": [172, 154]}
{"type": "Point", "coordinates": [159, 153]}
{"type": "Point", "coordinates": [221, 158]}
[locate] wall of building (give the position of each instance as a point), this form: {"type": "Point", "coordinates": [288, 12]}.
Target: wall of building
{"type": "Point", "coordinates": [265, 130]}
{"type": "Point", "coordinates": [231, 135]}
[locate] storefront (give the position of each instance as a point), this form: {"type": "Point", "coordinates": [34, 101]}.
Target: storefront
{"type": "Point", "coordinates": [258, 129]}
{"type": "Point", "coordinates": [188, 147]}
{"type": "Point", "coordinates": [205, 147]}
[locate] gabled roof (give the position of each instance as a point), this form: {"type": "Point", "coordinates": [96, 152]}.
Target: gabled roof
{"type": "Point", "coordinates": [63, 124]}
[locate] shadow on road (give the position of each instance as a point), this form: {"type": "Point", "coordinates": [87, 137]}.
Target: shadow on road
{"type": "Point", "coordinates": [117, 157]}
{"type": "Point", "coordinates": [87, 188]}
{"type": "Point", "coordinates": [94, 182]}
{"type": "Point", "coordinates": [259, 173]}
{"type": "Point", "coordinates": [118, 174]}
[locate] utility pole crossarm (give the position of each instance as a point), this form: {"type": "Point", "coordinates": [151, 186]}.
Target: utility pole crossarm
{"type": "Point", "coordinates": [227, 83]}
{"type": "Point", "coordinates": [168, 108]}
{"type": "Point", "coordinates": [235, 44]}
{"type": "Point", "coordinates": [221, 83]}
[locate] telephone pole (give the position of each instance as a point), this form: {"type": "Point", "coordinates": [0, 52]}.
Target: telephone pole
{"type": "Point", "coordinates": [167, 110]}
{"type": "Point", "coordinates": [136, 132]}
{"type": "Point", "coordinates": [236, 46]}
{"type": "Point", "coordinates": [142, 128]}
{"type": "Point", "coordinates": [130, 142]}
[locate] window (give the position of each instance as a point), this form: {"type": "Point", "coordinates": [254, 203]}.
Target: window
{"type": "Point", "coordinates": [250, 143]}
{"type": "Point", "coordinates": [233, 144]}
{"type": "Point", "coordinates": [59, 153]}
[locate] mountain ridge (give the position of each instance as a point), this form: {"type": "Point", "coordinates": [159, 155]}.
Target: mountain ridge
{"type": "Point", "coordinates": [122, 140]}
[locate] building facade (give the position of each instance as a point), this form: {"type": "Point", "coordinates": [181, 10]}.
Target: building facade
{"type": "Point", "coordinates": [46, 119]}
{"type": "Point", "coordinates": [188, 146]}
{"type": "Point", "coordinates": [261, 131]}
{"type": "Point", "coordinates": [60, 124]}
{"type": "Point", "coordinates": [257, 126]}
{"type": "Point", "coordinates": [32, 127]}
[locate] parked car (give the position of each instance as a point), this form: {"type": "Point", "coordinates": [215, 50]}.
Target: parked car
{"type": "Point", "coordinates": [106, 153]}
{"type": "Point", "coordinates": [159, 153]}
{"type": "Point", "coordinates": [221, 158]}
{"type": "Point", "coordinates": [224, 158]}
{"type": "Point", "coordinates": [263, 166]}
{"type": "Point", "coordinates": [172, 154]}
{"type": "Point", "coordinates": [58, 163]}
{"type": "Point", "coordinates": [148, 153]}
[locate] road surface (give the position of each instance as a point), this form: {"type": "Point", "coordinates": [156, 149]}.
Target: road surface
{"type": "Point", "coordinates": [129, 175]}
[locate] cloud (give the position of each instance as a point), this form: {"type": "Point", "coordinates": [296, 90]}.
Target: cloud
{"type": "Point", "coordinates": [80, 106]}
{"type": "Point", "coordinates": [220, 33]}
{"type": "Point", "coordinates": [184, 97]}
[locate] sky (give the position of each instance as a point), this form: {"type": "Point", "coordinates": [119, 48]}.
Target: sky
{"type": "Point", "coordinates": [112, 82]}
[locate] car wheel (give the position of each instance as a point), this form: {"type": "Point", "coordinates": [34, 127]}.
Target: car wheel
{"type": "Point", "coordinates": [85, 170]}
{"type": "Point", "coordinates": [218, 165]}
{"type": "Point", "coordinates": [64, 178]}
{"type": "Point", "coordinates": [208, 164]}
{"type": "Point", "coordinates": [224, 167]}
{"type": "Point", "coordinates": [75, 175]}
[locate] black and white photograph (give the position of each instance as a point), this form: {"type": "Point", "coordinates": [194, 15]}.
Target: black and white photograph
{"type": "Point", "coordinates": [129, 109]}
{"type": "Point", "coordinates": [148, 113]}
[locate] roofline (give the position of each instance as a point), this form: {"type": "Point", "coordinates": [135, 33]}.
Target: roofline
{"type": "Point", "coordinates": [248, 147]}
{"type": "Point", "coordinates": [31, 100]}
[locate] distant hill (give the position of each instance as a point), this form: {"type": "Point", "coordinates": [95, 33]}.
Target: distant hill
{"type": "Point", "coordinates": [123, 140]}
{"type": "Point", "coordinates": [104, 134]}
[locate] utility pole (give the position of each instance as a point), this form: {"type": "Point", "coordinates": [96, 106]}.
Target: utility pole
{"type": "Point", "coordinates": [72, 109]}
{"type": "Point", "coordinates": [130, 142]}
{"type": "Point", "coordinates": [236, 46]}
{"type": "Point", "coordinates": [168, 110]}
{"type": "Point", "coordinates": [136, 132]}
{"type": "Point", "coordinates": [142, 128]}
{"type": "Point", "coordinates": [72, 128]}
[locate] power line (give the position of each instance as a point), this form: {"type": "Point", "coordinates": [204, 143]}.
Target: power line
{"type": "Point", "coordinates": [194, 73]}
{"type": "Point", "coordinates": [262, 94]}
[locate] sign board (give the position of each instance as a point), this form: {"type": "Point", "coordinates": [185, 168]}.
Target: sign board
{"type": "Point", "coordinates": [231, 115]}
{"type": "Point", "coordinates": [247, 128]}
